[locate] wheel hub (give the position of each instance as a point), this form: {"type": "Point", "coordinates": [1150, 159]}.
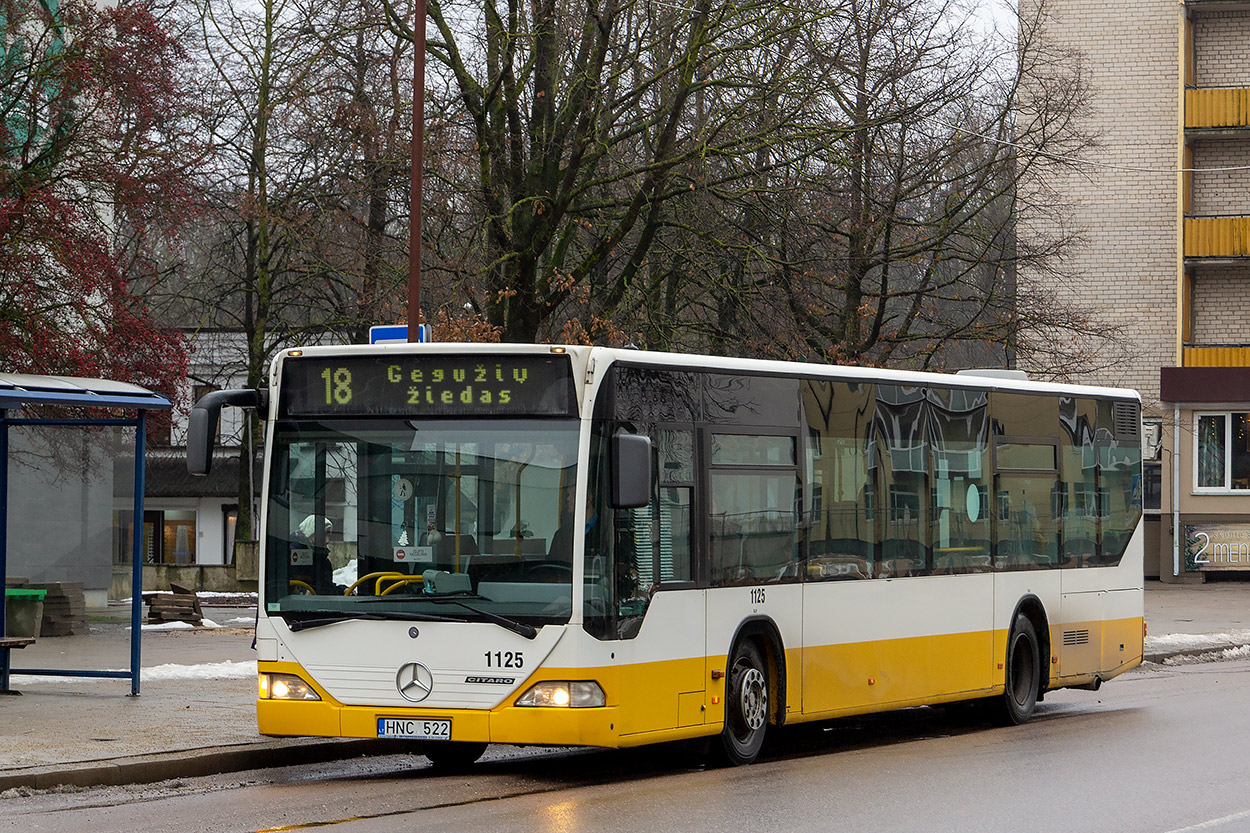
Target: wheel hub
{"type": "Point", "coordinates": [753, 698]}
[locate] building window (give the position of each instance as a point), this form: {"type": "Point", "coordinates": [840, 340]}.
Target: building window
{"type": "Point", "coordinates": [1222, 452]}
{"type": "Point", "coordinates": [230, 522]}
{"type": "Point", "coordinates": [179, 537]}
{"type": "Point", "coordinates": [1152, 464]}
{"type": "Point", "coordinates": [1152, 487]}
{"type": "Point", "coordinates": [169, 536]}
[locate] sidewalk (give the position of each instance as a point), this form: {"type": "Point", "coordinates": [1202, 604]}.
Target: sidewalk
{"type": "Point", "coordinates": [196, 713]}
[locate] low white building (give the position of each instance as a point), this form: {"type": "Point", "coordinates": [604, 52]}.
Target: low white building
{"type": "Point", "coordinates": [191, 520]}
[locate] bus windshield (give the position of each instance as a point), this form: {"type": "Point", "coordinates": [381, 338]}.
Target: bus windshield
{"type": "Point", "coordinates": [362, 512]}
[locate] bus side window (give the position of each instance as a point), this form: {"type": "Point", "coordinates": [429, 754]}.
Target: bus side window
{"type": "Point", "coordinates": [754, 515]}
{"type": "Point", "coordinates": [959, 435]}
{"type": "Point", "coordinates": [838, 473]}
{"type": "Point", "coordinates": [903, 452]}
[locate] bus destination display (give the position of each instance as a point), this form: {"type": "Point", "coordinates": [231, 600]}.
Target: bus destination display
{"type": "Point", "coordinates": [426, 385]}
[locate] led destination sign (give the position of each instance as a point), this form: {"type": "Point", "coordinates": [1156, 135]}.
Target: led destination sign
{"type": "Point", "coordinates": [426, 385]}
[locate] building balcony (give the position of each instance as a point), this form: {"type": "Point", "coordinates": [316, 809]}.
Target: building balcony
{"type": "Point", "coordinates": [1213, 109]}
{"type": "Point", "coordinates": [1212, 239]}
{"type": "Point", "coordinates": [1215, 355]}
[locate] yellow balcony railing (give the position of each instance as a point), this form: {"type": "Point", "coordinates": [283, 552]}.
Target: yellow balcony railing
{"type": "Point", "coordinates": [1226, 107]}
{"type": "Point", "coordinates": [1217, 236]}
{"type": "Point", "coordinates": [1216, 357]}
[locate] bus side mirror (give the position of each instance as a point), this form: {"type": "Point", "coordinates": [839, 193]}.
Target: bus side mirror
{"type": "Point", "coordinates": [631, 471]}
{"type": "Point", "coordinates": [202, 426]}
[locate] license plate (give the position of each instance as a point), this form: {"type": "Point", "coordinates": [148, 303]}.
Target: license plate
{"type": "Point", "coordinates": [415, 729]}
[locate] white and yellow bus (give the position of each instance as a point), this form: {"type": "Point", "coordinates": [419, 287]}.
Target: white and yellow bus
{"type": "Point", "coordinates": [527, 544]}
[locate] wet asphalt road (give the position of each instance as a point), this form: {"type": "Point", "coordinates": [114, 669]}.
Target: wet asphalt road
{"type": "Point", "coordinates": [1156, 751]}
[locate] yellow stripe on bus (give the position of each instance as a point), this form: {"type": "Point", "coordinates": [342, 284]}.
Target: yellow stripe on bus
{"type": "Point", "coordinates": [678, 699]}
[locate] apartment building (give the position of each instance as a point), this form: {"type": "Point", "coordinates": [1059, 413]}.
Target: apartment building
{"type": "Point", "coordinates": [1164, 203]}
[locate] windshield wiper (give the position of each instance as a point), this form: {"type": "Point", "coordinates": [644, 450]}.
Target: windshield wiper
{"type": "Point", "coordinates": [527, 631]}
{"type": "Point", "coordinates": [304, 624]}
{"type": "Point", "coordinates": [457, 598]}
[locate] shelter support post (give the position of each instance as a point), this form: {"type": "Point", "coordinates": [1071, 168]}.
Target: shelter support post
{"type": "Point", "coordinates": [136, 557]}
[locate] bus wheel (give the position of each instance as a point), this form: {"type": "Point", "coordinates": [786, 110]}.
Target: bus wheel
{"type": "Point", "coordinates": [1023, 673]}
{"type": "Point", "coordinates": [453, 755]}
{"type": "Point", "coordinates": [746, 705]}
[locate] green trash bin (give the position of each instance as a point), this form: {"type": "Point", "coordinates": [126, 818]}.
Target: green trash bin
{"type": "Point", "coordinates": [23, 611]}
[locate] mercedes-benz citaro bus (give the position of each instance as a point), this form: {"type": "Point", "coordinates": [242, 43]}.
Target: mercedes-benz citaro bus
{"type": "Point", "coordinates": [466, 544]}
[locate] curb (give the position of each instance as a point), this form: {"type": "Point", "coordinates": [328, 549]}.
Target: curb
{"type": "Point", "coordinates": [189, 763]}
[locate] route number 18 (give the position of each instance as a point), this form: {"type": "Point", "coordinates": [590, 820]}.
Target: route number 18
{"type": "Point", "coordinates": [338, 385]}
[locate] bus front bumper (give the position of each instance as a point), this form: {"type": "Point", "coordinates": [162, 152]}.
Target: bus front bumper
{"type": "Point", "coordinates": [505, 723]}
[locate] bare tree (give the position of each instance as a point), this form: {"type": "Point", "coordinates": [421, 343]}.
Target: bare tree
{"type": "Point", "coordinates": [579, 117]}
{"type": "Point", "coordinates": [238, 276]}
{"type": "Point", "coordinates": [840, 180]}
{"type": "Point", "coordinates": [897, 241]}
{"type": "Point", "coordinates": [354, 130]}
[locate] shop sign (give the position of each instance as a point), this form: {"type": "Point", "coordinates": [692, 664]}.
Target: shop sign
{"type": "Point", "coordinates": [1217, 547]}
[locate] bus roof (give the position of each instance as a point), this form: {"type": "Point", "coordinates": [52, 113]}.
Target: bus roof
{"type": "Point", "coordinates": [584, 354]}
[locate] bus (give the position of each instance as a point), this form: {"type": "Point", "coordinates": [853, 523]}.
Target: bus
{"type": "Point", "coordinates": [465, 544]}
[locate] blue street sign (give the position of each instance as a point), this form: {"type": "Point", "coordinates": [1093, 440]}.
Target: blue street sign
{"type": "Point", "coordinates": [397, 334]}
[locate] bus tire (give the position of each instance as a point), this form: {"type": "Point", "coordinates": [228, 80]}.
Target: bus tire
{"type": "Point", "coordinates": [453, 755]}
{"type": "Point", "coordinates": [1023, 671]}
{"type": "Point", "coordinates": [746, 705]}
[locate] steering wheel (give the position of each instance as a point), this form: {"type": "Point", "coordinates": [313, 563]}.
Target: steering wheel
{"type": "Point", "coordinates": [558, 568]}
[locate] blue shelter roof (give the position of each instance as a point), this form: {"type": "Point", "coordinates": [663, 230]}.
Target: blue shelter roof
{"type": "Point", "coordinates": [17, 389]}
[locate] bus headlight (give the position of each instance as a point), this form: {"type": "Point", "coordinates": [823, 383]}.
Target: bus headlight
{"type": "Point", "coordinates": [285, 687]}
{"type": "Point", "coordinates": [564, 694]}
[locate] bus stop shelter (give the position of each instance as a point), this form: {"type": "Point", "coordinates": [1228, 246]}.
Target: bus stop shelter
{"type": "Point", "coordinates": [110, 404]}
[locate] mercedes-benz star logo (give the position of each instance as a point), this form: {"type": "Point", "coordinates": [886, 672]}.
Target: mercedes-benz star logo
{"type": "Point", "coordinates": [414, 681]}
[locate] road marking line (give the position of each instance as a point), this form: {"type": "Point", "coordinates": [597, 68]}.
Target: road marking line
{"type": "Point", "coordinates": [1207, 825]}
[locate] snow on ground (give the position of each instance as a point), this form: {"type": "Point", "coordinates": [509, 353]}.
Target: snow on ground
{"type": "Point", "coordinates": [1194, 648]}
{"type": "Point", "coordinates": [1237, 652]}
{"type": "Point", "coordinates": [232, 599]}
{"type": "Point", "coordinates": [228, 669]}
{"type": "Point", "coordinates": [183, 626]}
{"type": "Point", "coordinates": [205, 624]}
{"type": "Point", "coordinates": [1192, 641]}
{"type": "Point", "coordinates": [208, 597]}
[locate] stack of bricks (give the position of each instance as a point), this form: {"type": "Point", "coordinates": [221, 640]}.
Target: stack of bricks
{"type": "Point", "coordinates": [182, 605]}
{"type": "Point", "coordinates": [64, 609]}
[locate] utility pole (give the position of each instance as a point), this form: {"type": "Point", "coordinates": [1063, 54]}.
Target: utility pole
{"type": "Point", "coordinates": [418, 161]}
